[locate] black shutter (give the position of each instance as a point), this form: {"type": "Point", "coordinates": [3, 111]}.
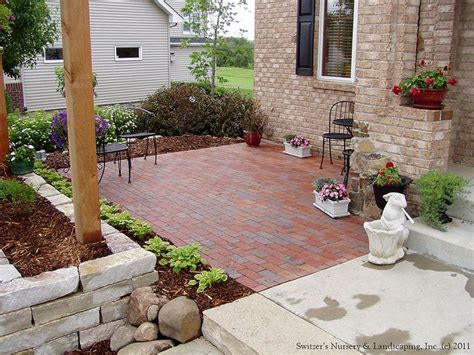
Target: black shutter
{"type": "Point", "coordinates": [305, 38]}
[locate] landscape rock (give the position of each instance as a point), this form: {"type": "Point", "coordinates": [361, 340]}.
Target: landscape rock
{"type": "Point", "coordinates": [114, 310]}
{"type": "Point", "coordinates": [8, 272]}
{"type": "Point", "coordinates": [179, 319]}
{"type": "Point", "coordinates": [14, 321]}
{"type": "Point", "coordinates": [152, 313]}
{"type": "Point", "coordinates": [145, 280]}
{"type": "Point", "coordinates": [146, 348]}
{"type": "Point", "coordinates": [115, 268]}
{"type": "Point", "coordinates": [140, 300]}
{"type": "Point", "coordinates": [123, 336]}
{"type": "Point", "coordinates": [102, 332]}
{"type": "Point", "coordinates": [59, 346]}
{"type": "Point", "coordinates": [147, 332]}
{"type": "Point", "coordinates": [28, 291]}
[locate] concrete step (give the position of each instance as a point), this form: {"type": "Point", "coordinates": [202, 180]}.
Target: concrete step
{"type": "Point", "coordinates": [455, 246]}
{"type": "Point", "coordinates": [199, 346]}
{"type": "Point", "coordinates": [463, 206]}
{"type": "Point", "coordinates": [256, 325]}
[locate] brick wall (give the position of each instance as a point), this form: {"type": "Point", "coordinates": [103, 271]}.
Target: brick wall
{"type": "Point", "coordinates": [15, 91]}
{"type": "Point", "coordinates": [463, 71]}
{"type": "Point", "coordinates": [295, 104]}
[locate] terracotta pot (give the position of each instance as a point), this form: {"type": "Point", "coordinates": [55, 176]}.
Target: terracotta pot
{"type": "Point", "coordinates": [429, 99]}
{"type": "Point", "coordinates": [380, 191]}
{"type": "Point", "coordinates": [252, 138]}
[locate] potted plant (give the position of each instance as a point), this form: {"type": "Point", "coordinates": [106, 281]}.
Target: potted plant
{"type": "Point", "coordinates": [428, 88]}
{"type": "Point", "coordinates": [21, 160]}
{"type": "Point", "coordinates": [297, 146]}
{"type": "Point", "coordinates": [437, 192]}
{"type": "Point", "coordinates": [254, 123]}
{"type": "Point", "coordinates": [331, 197]}
{"type": "Point", "coordinates": [388, 180]}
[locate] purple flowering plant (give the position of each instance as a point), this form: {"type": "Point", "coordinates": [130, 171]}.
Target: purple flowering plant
{"type": "Point", "coordinates": [59, 129]}
{"type": "Point", "coordinates": [333, 192]}
{"type": "Point", "coordinates": [299, 141]}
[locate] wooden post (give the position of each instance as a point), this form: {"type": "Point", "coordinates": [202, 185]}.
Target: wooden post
{"type": "Point", "coordinates": [81, 122]}
{"type": "Point", "coordinates": [4, 144]}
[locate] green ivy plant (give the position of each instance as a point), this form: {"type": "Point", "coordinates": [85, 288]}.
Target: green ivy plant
{"type": "Point", "coordinates": [437, 191]}
{"type": "Point", "coordinates": [185, 257]}
{"type": "Point", "coordinates": [206, 279]}
{"type": "Point", "coordinates": [158, 246]}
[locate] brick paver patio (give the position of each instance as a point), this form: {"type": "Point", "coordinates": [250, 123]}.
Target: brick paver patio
{"type": "Point", "coordinates": [251, 208]}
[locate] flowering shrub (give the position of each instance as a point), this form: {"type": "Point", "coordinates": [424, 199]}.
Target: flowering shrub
{"type": "Point", "coordinates": [33, 129]}
{"type": "Point", "coordinates": [436, 78]}
{"type": "Point", "coordinates": [388, 176]}
{"type": "Point", "coordinates": [299, 141]}
{"type": "Point", "coordinates": [23, 154]}
{"type": "Point", "coordinates": [59, 129]}
{"type": "Point", "coordinates": [124, 121]}
{"type": "Point", "coordinates": [333, 192]}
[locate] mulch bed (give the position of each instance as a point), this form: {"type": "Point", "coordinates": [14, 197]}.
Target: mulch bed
{"type": "Point", "coordinates": [59, 160]}
{"type": "Point", "coordinates": [101, 348]}
{"type": "Point", "coordinates": [42, 240]}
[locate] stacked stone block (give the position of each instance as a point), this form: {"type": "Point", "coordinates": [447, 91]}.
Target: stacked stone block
{"type": "Point", "coordinates": [74, 307]}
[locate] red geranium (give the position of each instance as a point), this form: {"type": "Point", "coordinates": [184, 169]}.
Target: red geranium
{"type": "Point", "coordinates": [415, 91]}
{"type": "Point", "coordinates": [389, 164]}
{"type": "Point", "coordinates": [452, 81]}
{"type": "Point", "coordinates": [428, 81]}
{"type": "Point", "coordinates": [397, 90]}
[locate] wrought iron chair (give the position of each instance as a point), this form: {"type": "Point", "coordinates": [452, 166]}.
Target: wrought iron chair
{"type": "Point", "coordinates": [116, 148]}
{"type": "Point", "coordinates": [143, 118]}
{"type": "Point", "coordinates": [343, 112]}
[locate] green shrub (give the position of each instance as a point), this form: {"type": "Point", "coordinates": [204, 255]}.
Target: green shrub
{"type": "Point", "coordinates": [192, 109]}
{"type": "Point", "coordinates": [158, 246]}
{"type": "Point", "coordinates": [186, 257]}
{"type": "Point", "coordinates": [124, 120]}
{"type": "Point", "coordinates": [17, 193]}
{"type": "Point", "coordinates": [139, 229]}
{"type": "Point", "coordinates": [206, 279]}
{"type": "Point", "coordinates": [437, 191]}
{"type": "Point", "coordinates": [9, 103]}
{"type": "Point", "coordinates": [33, 129]}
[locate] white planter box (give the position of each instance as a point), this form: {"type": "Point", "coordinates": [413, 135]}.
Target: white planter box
{"type": "Point", "coordinates": [300, 152]}
{"type": "Point", "coordinates": [333, 209]}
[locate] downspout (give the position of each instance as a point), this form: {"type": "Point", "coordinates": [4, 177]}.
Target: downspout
{"type": "Point", "coordinates": [418, 36]}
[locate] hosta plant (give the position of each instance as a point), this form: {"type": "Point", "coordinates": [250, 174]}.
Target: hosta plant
{"type": "Point", "coordinates": [185, 257]}
{"type": "Point", "coordinates": [158, 246]}
{"type": "Point", "coordinates": [206, 279]}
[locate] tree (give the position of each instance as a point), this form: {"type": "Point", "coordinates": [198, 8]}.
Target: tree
{"type": "Point", "coordinates": [236, 52]}
{"type": "Point", "coordinates": [209, 20]}
{"type": "Point", "coordinates": [31, 28]}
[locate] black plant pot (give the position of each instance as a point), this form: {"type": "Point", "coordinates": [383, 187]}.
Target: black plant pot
{"type": "Point", "coordinates": [380, 191]}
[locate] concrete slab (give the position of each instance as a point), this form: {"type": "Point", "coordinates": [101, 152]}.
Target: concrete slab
{"type": "Point", "coordinates": [256, 325]}
{"type": "Point", "coordinates": [416, 302]}
{"type": "Point", "coordinates": [199, 346]}
{"type": "Point", "coordinates": [455, 246]}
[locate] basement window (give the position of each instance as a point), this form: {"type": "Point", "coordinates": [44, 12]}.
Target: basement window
{"type": "Point", "coordinates": [128, 53]}
{"type": "Point", "coordinates": [53, 55]}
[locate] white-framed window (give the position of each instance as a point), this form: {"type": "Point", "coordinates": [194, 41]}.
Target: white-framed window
{"type": "Point", "coordinates": [337, 40]}
{"type": "Point", "coordinates": [128, 53]}
{"type": "Point", "coordinates": [188, 20]}
{"type": "Point", "coordinates": [53, 55]}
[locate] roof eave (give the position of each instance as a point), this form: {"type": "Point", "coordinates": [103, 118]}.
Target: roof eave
{"type": "Point", "coordinates": [174, 16]}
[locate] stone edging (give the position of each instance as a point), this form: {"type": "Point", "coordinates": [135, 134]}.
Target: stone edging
{"type": "Point", "coordinates": [34, 314]}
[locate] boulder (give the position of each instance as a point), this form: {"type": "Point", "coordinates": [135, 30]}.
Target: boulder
{"type": "Point", "coordinates": [147, 332]}
{"type": "Point", "coordinates": [179, 319]}
{"type": "Point", "coordinates": [146, 348]}
{"type": "Point", "coordinates": [123, 336]}
{"type": "Point", "coordinates": [152, 313]}
{"type": "Point", "coordinates": [140, 300]}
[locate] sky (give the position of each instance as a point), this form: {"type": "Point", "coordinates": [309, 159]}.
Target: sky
{"type": "Point", "coordinates": [246, 21]}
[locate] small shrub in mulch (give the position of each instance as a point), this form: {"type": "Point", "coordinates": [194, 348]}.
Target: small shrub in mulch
{"type": "Point", "coordinates": [40, 238]}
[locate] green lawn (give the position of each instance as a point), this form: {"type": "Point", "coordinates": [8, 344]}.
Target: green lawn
{"type": "Point", "coordinates": [238, 78]}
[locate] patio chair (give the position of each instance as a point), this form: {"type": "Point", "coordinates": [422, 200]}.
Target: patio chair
{"type": "Point", "coordinates": [341, 117]}
{"type": "Point", "coordinates": [142, 131]}
{"type": "Point", "coordinates": [116, 148]}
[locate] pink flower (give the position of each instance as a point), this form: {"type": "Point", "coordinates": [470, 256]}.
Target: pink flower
{"type": "Point", "coordinates": [428, 81]}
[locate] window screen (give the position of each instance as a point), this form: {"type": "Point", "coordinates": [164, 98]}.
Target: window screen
{"type": "Point", "coordinates": [127, 53]}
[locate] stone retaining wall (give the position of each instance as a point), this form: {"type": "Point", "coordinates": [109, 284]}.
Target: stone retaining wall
{"type": "Point", "coordinates": [73, 307]}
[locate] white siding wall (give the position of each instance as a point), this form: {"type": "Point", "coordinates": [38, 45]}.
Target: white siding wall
{"type": "Point", "coordinates": [113, 23]}
{"type": "Point", "coordinates": [179, 66]}
{"type": "Point", "coordinates": [177, 31]}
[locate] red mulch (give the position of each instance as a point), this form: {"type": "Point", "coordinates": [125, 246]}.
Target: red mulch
{"type": "Point", "coordinates": [101, 348]}
{"type": "Point", "coordinates": [59, 160]}
{"type": "Point", "coordinates": [42, 240]}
